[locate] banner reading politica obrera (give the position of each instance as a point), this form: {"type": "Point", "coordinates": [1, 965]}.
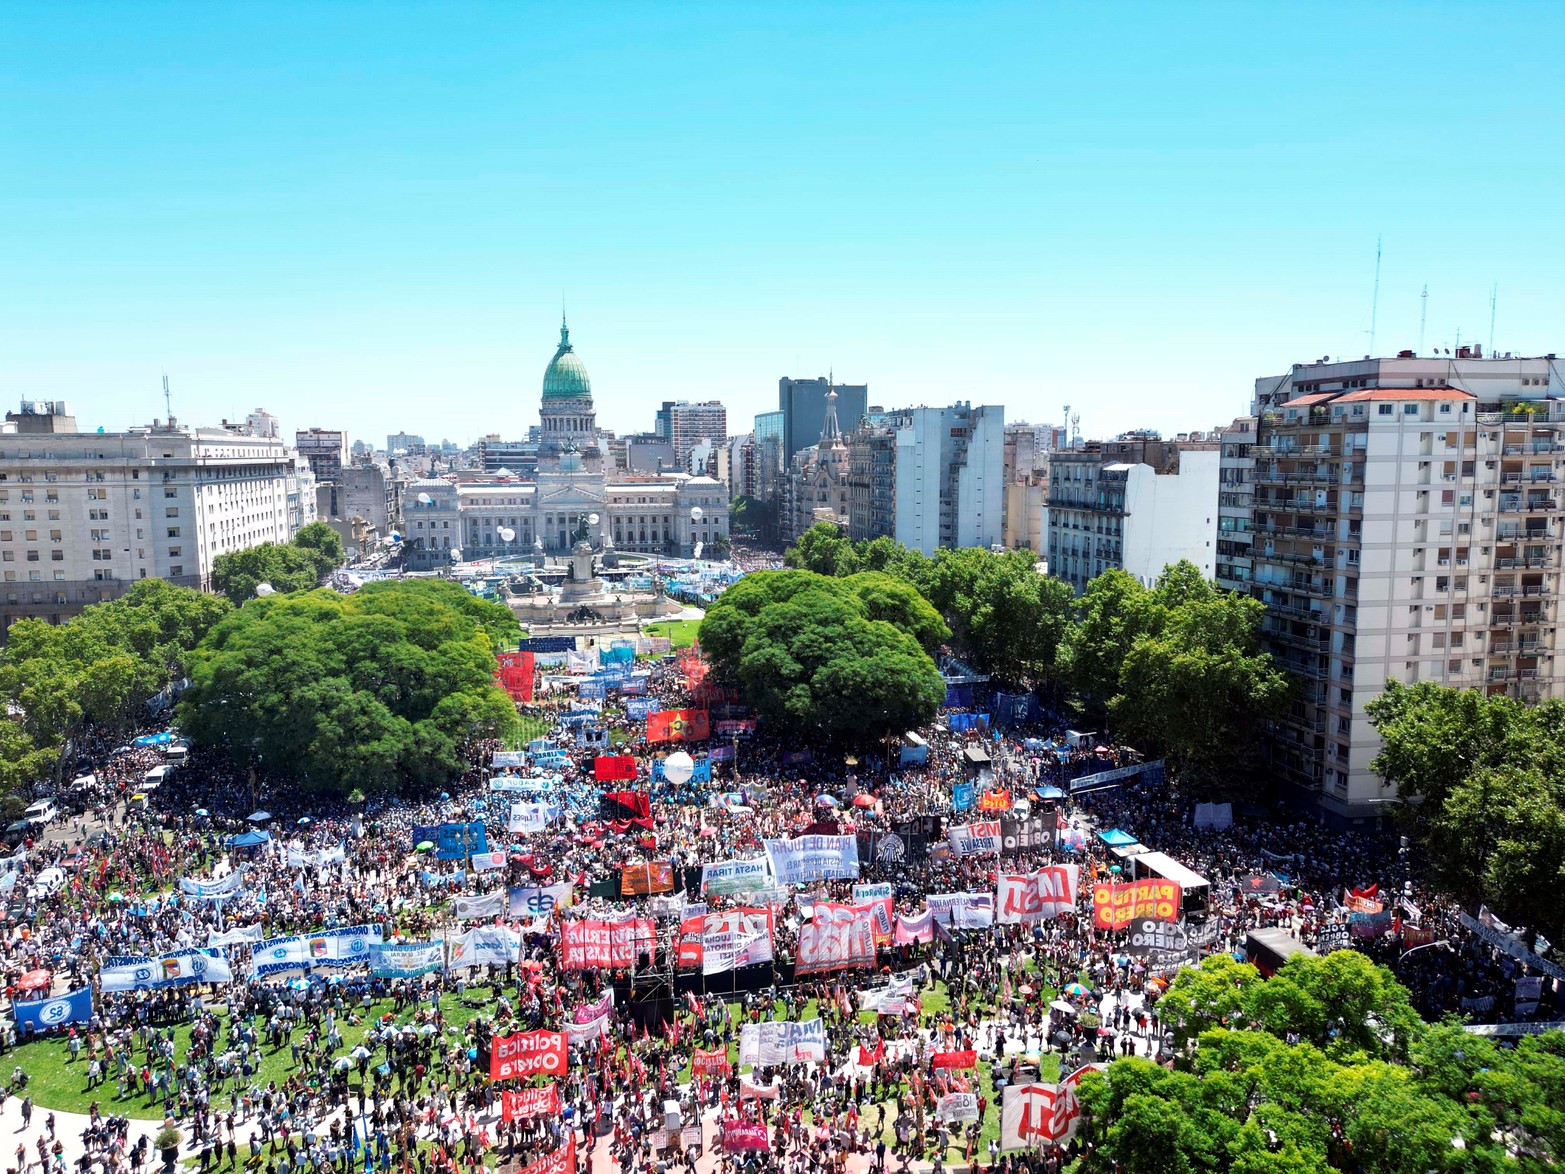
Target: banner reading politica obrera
{"type": "Point", "coordinates": [348, 946]}
{"type": "Point", "coordinates": [406, 959]}
{"type": "Point", "coordinates": [813, 858]}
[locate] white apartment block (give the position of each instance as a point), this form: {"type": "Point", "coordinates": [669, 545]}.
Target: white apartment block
{"type": "Point", "coordinates": [85, 514]}
{"type": "Point", "coordinates": [950, 477]}
{"type": "Point", "coordinates": [1137, 503]}
{"type": "Point", "coordinates": [1406, 525]}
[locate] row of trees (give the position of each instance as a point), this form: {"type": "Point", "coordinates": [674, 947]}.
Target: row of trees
{"type": "Point", "coordinates": [844, 659]}
{"type": "Point", "coordinates": [1366, 1087]}
{"type": "Point", "coordinates": [1483, 781]}
{"type": "Point", "coordinates": [374, 691]}
{"type": "Point", "coordinates": [315, 551]}
{"type": "Point", "coordinates": [1176, 669]}
{"type": "Point", "coordinates": [98, 671]}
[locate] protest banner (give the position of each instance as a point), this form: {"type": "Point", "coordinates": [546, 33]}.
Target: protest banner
{"type": "Point", "coordinates": [976, 839]}
{"type": "Point", "coordinates": [468, 907]}
{"type": "Point", "coordinates": [967, 1058]}
{"type": "Point", "coordinates": [1037, 896]}
{"type": "Point", "coordinates": [527, 817]}
{"type": "Point", "coordinates": [782, 1042]}
{"type": "Point", "coordinates": [596, 1009]}
{"type": "Point", "coordinates": [1114, 906]}
{"type": "Point", "coordinates": [679, 725]}
{"type": "Point", "coordinates": [561, 1160]}
{"type": "Point", "coordinates": [406, 959]}
{"type": "Point", "coordinates": [1027, 1115]}
{"type": "Point", "coordinates": [724, 878]}
{"type": "Point", "coordinates": [712, 1063]}
{"type": "Point", "coordinates": [529, 901]}
{"type": "Point", "coordinates": [527, 1053]}
{"type": "Point", "coordinates": [740, 1136]}
{"type": "Point", "coordinates": [813, 858]}
{"type": "Point", "coordinates": [957, 1106]}
{"type": "Point", "coordinates": [608, 945]}
{"type": "Point", "coordinates": [837, 937]}
{"type": "Point", "coordinates": [348, 946]}
{"type": "Point", "coordinates": [961, 910]}
{"type": "Point", "coordinates": [521, 1104]}
{"type": "Point", "coordinates": [652, 876]}
{"type": "Point", "coordinates": [720, 942]}
{"type": "Point", "coordinates": [614, 768]}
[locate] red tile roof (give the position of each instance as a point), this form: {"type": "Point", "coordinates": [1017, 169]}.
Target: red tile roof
{"type": "Point", "coordinates": [1407, 393]}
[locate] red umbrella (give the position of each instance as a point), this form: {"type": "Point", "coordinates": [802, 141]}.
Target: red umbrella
{"type": "Point", "coordinates": [35, 980]}
{"type": "Point", "coordinates": [863, 799]}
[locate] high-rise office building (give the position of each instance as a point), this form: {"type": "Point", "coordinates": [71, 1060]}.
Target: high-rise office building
{"type": "Point", "coordinates": [684, 425]}
{"type": "Point", "coordinates": [950, 477]}
{"type": "Point", "coordinates": [1406, 526]}
{"type": "Point", "coordinates": [803, 405]}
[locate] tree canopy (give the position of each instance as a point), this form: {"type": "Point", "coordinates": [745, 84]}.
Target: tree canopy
{"type": "Point", "coordinates": [1003, 615]}
{"type": "Point", "coordinates": [379, 690]}
{"type": "Point", "coordinates": [1484, 777]}
{"type": "Point", "coordinates": [1177, 668]}
{"type": "Point", "coordinates": [845, 659]}
{"type": "Point", "coordinates": [98, 669]}
{"type": "Point", "coordinates": [316, 551]}
{"type": "Point", "coordinates": [1366, 1087]}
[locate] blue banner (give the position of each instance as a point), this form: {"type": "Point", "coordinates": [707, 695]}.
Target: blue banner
{"type": "Point", "coordinates": [453, 841]}
{"type": "Point", "coordinates": [619, 654]}
{"type": "Point", "coordinates": [637, 708]}
{"type": "Point", "coordinates": [963, 796]}
{"type": "Point", "coordinates": [962, 722]}
{"type": "Point", "coordinates": [592, 689]}
{"type": "Point", "coordinates": [75, 1007]}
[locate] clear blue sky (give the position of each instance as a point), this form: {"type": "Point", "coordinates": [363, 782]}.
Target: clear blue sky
{"type": "Point", "coordinates": [365, 215]}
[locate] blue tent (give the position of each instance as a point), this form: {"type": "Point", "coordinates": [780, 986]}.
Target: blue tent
{"type": "Point", "coordinates": [249, 839]}
{"type": "Point", "coordinates": [1050, 793]}
{"type": "Point", "coordinates": [1116, 838]}
{"type": "Point", "coordinates": [146, 740]}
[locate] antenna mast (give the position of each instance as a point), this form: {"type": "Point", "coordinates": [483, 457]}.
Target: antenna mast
{"type": "Point", "coordinates": [1423, 314]}
{"type": "Point", "coordinates": [1374, 300]}
{"type": "Point", "coordinates": [168, 408]}
{"type": "Point", "coordinates": [1494, 294]}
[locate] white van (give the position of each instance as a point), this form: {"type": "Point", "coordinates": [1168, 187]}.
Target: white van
{"type": "Point", "coordinates": [83, 783]}
{"type": "Point", "coordinates": [155, 777]}
{"type": "Point", "coordinates": [41, 813]}
{"type": "Point", "coordinates": [177, 754]}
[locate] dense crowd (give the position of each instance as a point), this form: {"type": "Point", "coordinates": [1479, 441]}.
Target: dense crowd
{"type": "Point", "coordinates": [344, 1070]}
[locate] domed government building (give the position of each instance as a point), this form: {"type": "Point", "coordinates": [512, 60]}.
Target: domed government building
{"type": "Point", "coordinates": [499, 515]}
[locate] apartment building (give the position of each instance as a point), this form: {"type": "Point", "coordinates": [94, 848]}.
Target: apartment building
{"type": "Point", "coordinates": [1138, 503]}
{"type": "Point", "coordinates": [1235, 504]}
{"type": "Point", "coordinates": [85, 514]}
{"type": "Point", "coordinates": [684, 425]}
{"type": "Point", "coordinates": [950, 477]}
{"type": "Point", "coordinates": [1406, 526]}
{"type": "Point", "coordinates": [326, 450]}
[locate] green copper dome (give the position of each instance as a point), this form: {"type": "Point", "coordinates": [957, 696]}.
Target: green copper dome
{"type": "Point", "coordinates": [565, 377]}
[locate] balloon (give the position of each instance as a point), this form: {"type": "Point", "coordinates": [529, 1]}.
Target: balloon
{"type": "Point", "coordinates": [678, 767]}
{"type": "Point", "coordinates": [265, 589]}
{"type": "Point", "coordinates": [695, 513]}
{"type": "Point", "coordinates": [425, 499]}
{"type": "Point", "coordinates": [592, 519]}
{"type": "Point", "coordinates": [507, 534]}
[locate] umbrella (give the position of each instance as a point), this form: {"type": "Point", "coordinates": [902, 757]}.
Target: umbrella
{"type": "Point", "coordinates": [1076, 988]}
{"type": "Point", "coordinates": [825, 801]}
{"type": "Point", "coordinates": [35, 980]}
{"type": "Point", "coordinates": [1105, 1033]}
{"type": "Point", "coordinates": [864, 799]}
{"type": "Point", "coordinates": [424, 846]}
{"type": "Point", "coordinates": [360, 1053]}
{"type": "Point", "coordinates": [304, 819]}
{"type": "Point", "coordinates": [261, 817]}
{"type": "Point", "coordinates": [1116, 869]}
{"type": "Point", "coordinates": [340, 1063]}
{"type": "Point", "coordinates": [1024, 989]}
{"type": "Point", "coordinates": [202, 811]}
{"type": "Point", "coordinates": [1062, 1007]}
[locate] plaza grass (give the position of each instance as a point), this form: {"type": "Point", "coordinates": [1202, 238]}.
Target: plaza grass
{"type": "Point", "coordinates": [680, 633]}
{"type": "Point", "coordinates": [57, 1082]}
{"type": "Point", "coordinates": [532, 726]}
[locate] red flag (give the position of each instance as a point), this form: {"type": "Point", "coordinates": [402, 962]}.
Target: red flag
{"type": "Point", "coordinates": [695, 1007]}
{"type": "Point", "coordinates": [613, 768]}
{"type": "Point", "coordinates": [869, 1058]}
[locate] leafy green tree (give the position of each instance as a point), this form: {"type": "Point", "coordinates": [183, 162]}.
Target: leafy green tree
{"type": "Point", "coordinates": [376, 691]}
{"type": "Point", "coordinates": [324, 544]}
{"type": "Point", "coordinates": [285, 567]}
{"type": "Point", "coordinates": [823, 549]}
{"type": "Point", "coordinates": [1433, 737]}
{"type": "Point", "coordinates": [1002, 612]}
{"type": "Point", "coordinates": [840, 658]}
{"type": "Point", "coordinates": [1113, 613]}
{"type": "Point", "coordinates": [98, 669]}
{"type": "Point", "coordinates": [1199, 688]}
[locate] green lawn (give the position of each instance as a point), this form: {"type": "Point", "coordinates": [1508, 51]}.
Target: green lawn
{"type": "Point", "coordinates": [680, 633]}
{"type": "Point", "coordinates": [58, 1083]}
{"type": "Point", "coordinates": [532, 726]}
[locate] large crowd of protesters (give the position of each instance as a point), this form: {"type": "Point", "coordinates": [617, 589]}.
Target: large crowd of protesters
{"type": "Point", "coordinates": [322, 1070]}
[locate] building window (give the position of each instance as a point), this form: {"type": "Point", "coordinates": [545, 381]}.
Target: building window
{"type": "Point", "coordinates": [176, 571]}
{"type": "Point", "coordinates": [173, 531]}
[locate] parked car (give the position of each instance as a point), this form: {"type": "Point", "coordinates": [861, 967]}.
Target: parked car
{"type": "Point", "coordinates": [41, 813]}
